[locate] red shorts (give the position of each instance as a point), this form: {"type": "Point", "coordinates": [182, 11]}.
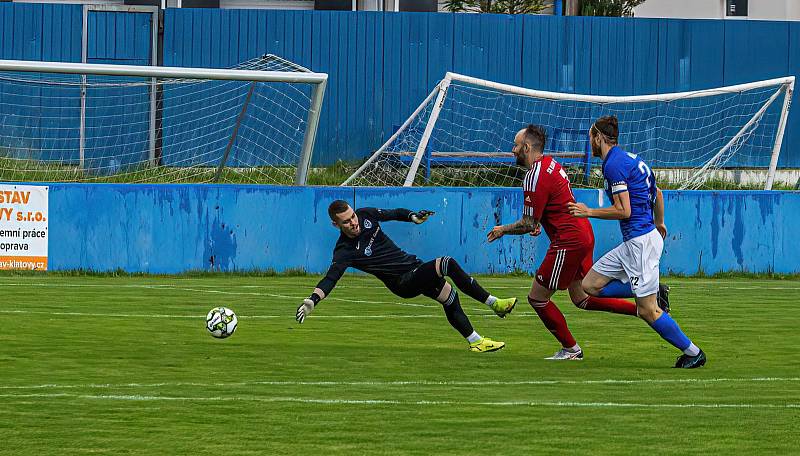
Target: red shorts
{"type": "Point", "coordinates": [563, 266]}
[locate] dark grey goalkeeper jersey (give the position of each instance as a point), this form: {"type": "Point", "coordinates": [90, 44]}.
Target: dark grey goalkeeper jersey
{"type": "Point", "coordinates": [372, 251]}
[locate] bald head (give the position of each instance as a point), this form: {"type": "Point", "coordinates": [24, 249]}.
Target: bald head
{"type": "Point", "coordinates": [533, 135]}
{"type": "Point", "coordinates": [529, 144]}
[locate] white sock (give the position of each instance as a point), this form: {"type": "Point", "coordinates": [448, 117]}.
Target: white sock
{"type": "Point", "coordinates": [692, 350]}
{"type": "Point", "coordinates": [490, 300]}
{"type": "Point", "coordinates": [574, 349]}
{"type": "Point", "coordinates": [474, 337]}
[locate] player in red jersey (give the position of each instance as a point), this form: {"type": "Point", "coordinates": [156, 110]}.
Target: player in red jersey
{"type": "Point", "coordinates": [569, 258]}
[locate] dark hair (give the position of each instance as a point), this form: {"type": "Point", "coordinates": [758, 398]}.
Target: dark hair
{"type": "Point", "coordinates": [536, 136]}
{"type": "Point", "coordinates": [337, 207]}
{"type": "Point", "coordinates": [609, 127]}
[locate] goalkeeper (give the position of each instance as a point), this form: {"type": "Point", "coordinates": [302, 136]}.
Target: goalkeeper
{"type": "Point", "coordinates": [363, 245]}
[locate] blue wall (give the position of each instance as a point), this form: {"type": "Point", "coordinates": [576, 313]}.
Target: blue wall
{"type": "Point", "coordinates": [382, 65]}
{"type": "Point", "coordinates": [125, 39]}
{"type": "Point", "coordinates": [37, 117]}
{"type": "Point", "coordinates": [174, 228]}
{"type": "Point", "coordinates": [31, 31]}
{"type": "Point", "coordinates": [39, 32]}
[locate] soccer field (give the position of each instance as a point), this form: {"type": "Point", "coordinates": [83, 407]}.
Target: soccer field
{"type": "Point", "coordinates": [126, 366]}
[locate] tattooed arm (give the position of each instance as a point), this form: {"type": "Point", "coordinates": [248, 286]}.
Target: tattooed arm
{"type": "Point", "coordinates": [527, 224]}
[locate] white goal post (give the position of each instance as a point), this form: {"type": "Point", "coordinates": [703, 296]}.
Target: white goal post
{"type": "Point", "coordinates": [463, 131]}
{"type": "Point", "coordinates": [60, 121]}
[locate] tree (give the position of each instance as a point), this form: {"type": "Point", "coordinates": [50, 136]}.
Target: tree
{"type": "Point", "coordinates": [614, 8]}
{"type": "Point", "coordinates": [497, 6]}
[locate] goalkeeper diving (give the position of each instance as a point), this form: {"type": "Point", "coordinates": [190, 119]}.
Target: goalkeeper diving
{"type": "Point", "coordinates": [363, 245]}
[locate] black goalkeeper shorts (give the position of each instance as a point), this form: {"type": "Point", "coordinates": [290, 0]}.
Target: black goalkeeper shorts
{"type": "Point", "coordinates": [422, 280]}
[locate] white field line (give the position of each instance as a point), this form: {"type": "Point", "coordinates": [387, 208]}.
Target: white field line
{"type": "Point", "coordinates": [215, 290]}
{"type": "Point", "coordinates": [475, 311]}
{"type": "Point", "coordinates": [286, 316]}
{"type": "Point", "coordinates": [360, 278]}
{"type": "Point", "coordinates": [401, 383]}
{"type": "Point", "coordinates": [716, 285]}
{"type": "Point", "coordinates": [122, 315]}
{"type": "Point", "coordinates": [300, 298]}
{"type": "Point", "coordinates": [490, 287]}
{"type": "Point", "coordinates": [136, 397]}
{"type": "Point", "coordinates": [352, 277]}
{"type": "Point", "coordinates": [755, 288]}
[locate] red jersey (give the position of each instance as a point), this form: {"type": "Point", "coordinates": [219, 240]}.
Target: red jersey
{"type": "Point", "coordinates": [547, 192]}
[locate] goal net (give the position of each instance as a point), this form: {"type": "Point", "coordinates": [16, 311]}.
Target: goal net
{"type": "Point", "coordinates": [463, 132]}
{"type": "Point", "coordinates": [255, 123]}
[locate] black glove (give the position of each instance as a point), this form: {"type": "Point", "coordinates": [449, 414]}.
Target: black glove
{"type": "Point", "coordinates": [421, 216]}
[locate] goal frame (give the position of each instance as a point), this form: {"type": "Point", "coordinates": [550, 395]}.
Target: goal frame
{"type": "Point", "coordinates": [318, 80]}
{"type": "Point", "coordinates": [440, 92]}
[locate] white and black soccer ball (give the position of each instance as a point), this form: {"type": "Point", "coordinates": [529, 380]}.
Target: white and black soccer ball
{"type": "Point", "coordinates": [221, 322]}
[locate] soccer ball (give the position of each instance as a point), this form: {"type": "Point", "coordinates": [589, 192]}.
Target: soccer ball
{"type": "Point", "coordinates": [221, 322]}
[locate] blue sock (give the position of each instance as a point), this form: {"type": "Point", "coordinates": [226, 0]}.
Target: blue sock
{"type": "Point", "coordinates": [617, 289]}
{"type": "Point", "coordinates": [669, 330]}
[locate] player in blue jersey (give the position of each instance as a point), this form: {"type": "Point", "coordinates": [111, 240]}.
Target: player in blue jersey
{"type": "Point", "coordinates": [639, 207]}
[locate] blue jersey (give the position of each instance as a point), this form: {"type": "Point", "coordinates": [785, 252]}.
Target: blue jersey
{"type": "Point", "coordinates": [626, 172]}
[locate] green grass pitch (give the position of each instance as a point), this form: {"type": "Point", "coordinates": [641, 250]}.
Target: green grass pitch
{"type": "Point", "coordinates": [109, 365]}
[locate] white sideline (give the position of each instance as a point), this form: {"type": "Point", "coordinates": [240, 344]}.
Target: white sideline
{"type": "Point", "coordinates": [717, 283]}
{"type": "Point", "coordinates": [286, 316]}
{"type": "Point", "coordinates": [609, 381]}
{"type": "Point", "coordinates": [398, 402]}
{"type": "Point", "coordinates": [298, 298]}
{"type": "Point", "coordinates": [214, 291]}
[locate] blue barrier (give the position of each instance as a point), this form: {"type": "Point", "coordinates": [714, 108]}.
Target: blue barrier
{"type": "Point", "coordinates": [176, 228]}
{"type": "Point", "coordinates": [41, 120]}
{"type": "Point", "coordinates": [32, 123]}
{"type": "Point", "coordinates": [381, 65]}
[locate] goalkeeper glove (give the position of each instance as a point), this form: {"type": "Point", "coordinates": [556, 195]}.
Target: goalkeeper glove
{"type": "Point", "coordinates": [304, 310]}
{"type": "Point", "coordinates": [421, 216]}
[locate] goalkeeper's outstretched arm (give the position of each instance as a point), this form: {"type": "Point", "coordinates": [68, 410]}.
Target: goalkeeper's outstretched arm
{"type": "Point", "coordinates": [399, 214]}
{"type": "Point", "coordinates": [322, 290]}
